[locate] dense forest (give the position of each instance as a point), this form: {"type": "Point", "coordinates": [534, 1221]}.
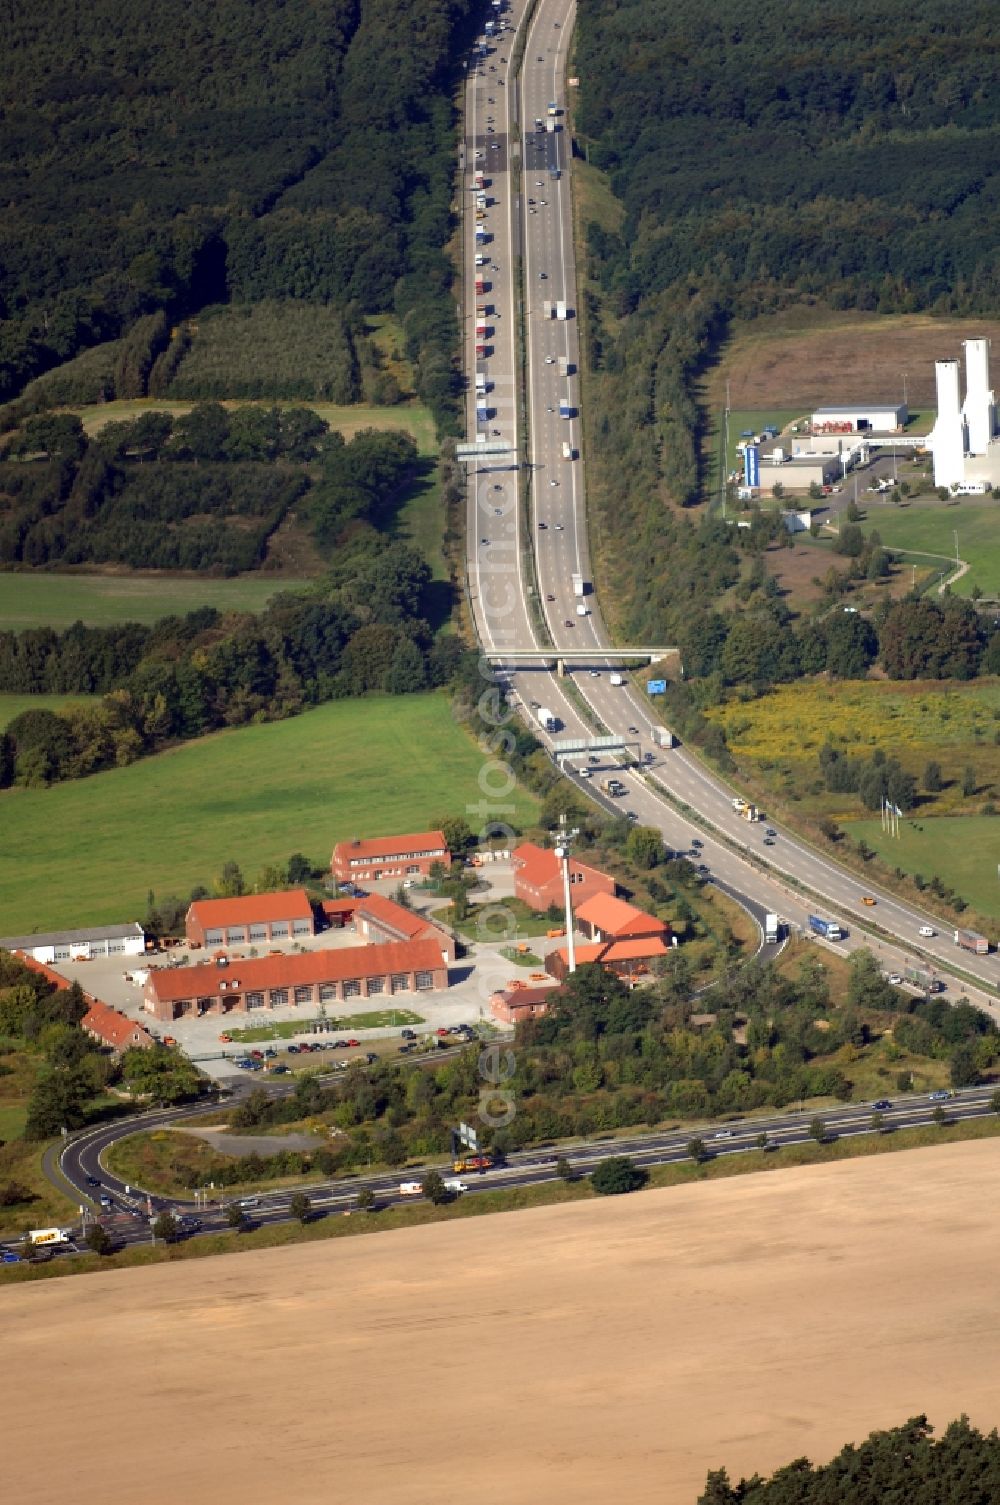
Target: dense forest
{"type": "Point", "coordinates": [905, 1464]}
{"type": "Point", "coordinates": [203, 491]}
{"type": "Point", "coordinates": [609, 1058]}
{"type": "Point", "coordinates": [763, 159]}
{"type": "Point", "coordinates": [158, 159]}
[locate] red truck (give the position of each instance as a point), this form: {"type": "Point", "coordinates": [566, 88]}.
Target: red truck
{"type": "Point", "coordinates": [971, 940]}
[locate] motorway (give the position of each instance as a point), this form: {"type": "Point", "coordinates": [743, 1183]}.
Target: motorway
{"type": "Point", "coordinates": [509, 593]}
{"type": "Point", "coordinates": [129, 1222]}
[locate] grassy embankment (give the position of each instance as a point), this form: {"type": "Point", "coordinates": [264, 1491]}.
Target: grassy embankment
{"type": "Point", "coordinates": [35, 599]}
{"type": "Point", "coordinates": [776, 742]}
{"type": "Point", "coordinates": [932, 529]}
{"type": "Point", "coordinates": [753, 1162]}
{"type": "Point", "coordinates": [255, 795]}
{"type": "Point", "coordinates": [289, 1028]}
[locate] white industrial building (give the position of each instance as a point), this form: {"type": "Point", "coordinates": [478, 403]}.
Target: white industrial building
{"type": "Point", "coordinates": [883, 417]}
{"type": "Point", "coordinates": [964, 438]}
{"type": "Point", "coordinates": [79, 945]}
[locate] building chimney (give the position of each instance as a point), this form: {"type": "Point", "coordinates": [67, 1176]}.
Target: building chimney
{"type": "Point", "coordinates": [948, 435]}
{"type": "Point", "coordinates": [979, 410]}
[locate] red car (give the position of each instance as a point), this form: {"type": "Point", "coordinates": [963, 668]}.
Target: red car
{"type": "Point", "coordinates": [353, 1043]}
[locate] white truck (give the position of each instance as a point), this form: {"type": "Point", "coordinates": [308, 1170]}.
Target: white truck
{"type": "Point", "coordinates": [772, 929]}
{"type": "Point", "coordinates": [568, 452]}
{"type": "Point", "coordinates": [43, 1237]}
{"type": "Point", "coordinates": [455, 1185]}
{"type": "Point", "coordinates": [617, 679]}
{"type": "Point", "coordinates": [411, 1188]}
{"type": "Point", "coordinates": [579, 585]}
{"type": "Point", "coordinates": [561, 310]}
{"type": "Point", "coordinates": [546, 720]}
{"type": "Point", "coordinates": [546, 308]}
{"type": "Point", "coordinates": [662, 737]}
{"type": "Point", "coordinates": [582, 611]}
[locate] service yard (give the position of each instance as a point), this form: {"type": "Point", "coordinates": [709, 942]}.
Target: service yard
{"type": "Point", "coordinates": [546, 1355]}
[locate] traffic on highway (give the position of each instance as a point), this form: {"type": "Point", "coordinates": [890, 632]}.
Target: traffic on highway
{"type": "Point", "coordinates": [529, 571]}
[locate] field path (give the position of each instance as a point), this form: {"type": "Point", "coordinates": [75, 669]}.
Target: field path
{"type": "Point", "coordinates": [542, 1355]}
{"type": "Point", "coordinates": [963, 569]}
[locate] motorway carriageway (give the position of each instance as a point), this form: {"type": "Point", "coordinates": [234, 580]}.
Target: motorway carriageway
{"type": "Point", "coordinates": [531, 1167]}
{"type": "Point", "coordinates": [501, 543]}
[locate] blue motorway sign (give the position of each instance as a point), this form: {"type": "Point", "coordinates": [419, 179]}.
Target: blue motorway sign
{"type": "Point", "coordinates": [656, 687]}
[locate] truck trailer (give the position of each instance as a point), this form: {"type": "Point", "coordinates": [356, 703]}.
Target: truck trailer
{"type": "Point", "coordinates": [546, 720]}
{"type": "Point", "coordinates": [561, 310]}
{"type": "Point", "coordinates": [563, 366]}
{"type": "Point", "coordinates": [828, 929]}
{"type": "Point", "coordinates": [613, 787]}
{"type": "Point", "coordinates": [579, 585]}
{"type": "Point", "coordinates": [546, 308]}
{"type": "Point", "coordinates": [923, 978]}
{"type": "Point", "coordinates": [565, 411]}
{"type": "Point", "coordinates": [772, 929]}
{"type": "Point", "coordinates": [568, 452]}
{"type": "Point", "coordinates": [971, 940]}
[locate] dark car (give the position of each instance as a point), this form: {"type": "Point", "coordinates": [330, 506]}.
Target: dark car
{"type": "Point", "coordinates": [371, 1058]}
{"type": "Point", "coordinates": [769, 841]}
{"type": "Point", "coordinates": [696, 844]}
{"type": "Point", "coordinates": [93, 1181]}
{"type": "Point", "coordinates": [882, 1104]}
{"type": "Point", "coordinates": [404, 1050]}
{"type": "Point", "coordinates": [407, 1034]}
{"type": "Point", "coordinates": [293, 1050]}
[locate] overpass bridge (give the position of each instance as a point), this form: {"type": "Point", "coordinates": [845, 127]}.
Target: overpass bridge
{"type": "Point", "coordinates": [598, 655]}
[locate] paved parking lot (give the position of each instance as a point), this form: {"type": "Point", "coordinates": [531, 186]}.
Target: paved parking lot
{"type": "Point", "coordinates": [472, 979]}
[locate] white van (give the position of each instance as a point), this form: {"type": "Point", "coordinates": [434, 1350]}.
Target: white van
{"type": "Point", "coordinates": [617, 679]}
{"type": "Point", "coordinates": [411, 1189]}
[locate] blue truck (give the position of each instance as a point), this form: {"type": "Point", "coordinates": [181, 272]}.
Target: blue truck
{"type": "Point", "coordinates": [828, 929]}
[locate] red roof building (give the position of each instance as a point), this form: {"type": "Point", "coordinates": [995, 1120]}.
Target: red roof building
{"type": "Point", "coordinates": [108, 1027]}
{"type": "Point", "coordinates": [252, 917]}
{"type": "Point", "coordinates": [380, 919]}
{"type": "Point", "coordinates": [511, 1005]}
{"type": "Point", "coordinates": [605, 918]}
{"type": "Point", "coordinates": [101, 1022]}
{"type": "Point", "coordinates": [619, 936]}
{"type": "Point", "coordinates": [538, 878]}
{"type": "Point", "coordinates": [389, 857]}
{"type": "Point", "coordinates": [339, 975]}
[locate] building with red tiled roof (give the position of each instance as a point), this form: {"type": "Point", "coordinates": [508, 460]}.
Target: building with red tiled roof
{"type": "Point", "coordinates": [339, 975]}
{"type": "Point", "coordinates": [620, 937]}
{"type": "Point", "coordinates": [380, 919]}
{"type": "Point", "coordinates": [108, 1027]}
{"type": "Point", "coordinates": [511, 1005]}
{"type": "Point", "coordinates": [251, 918]}
{"type": "Point", "coordinates": [389, 857]}
{"type": "Point", "coordinates": [538, 878]}
{"type": "Point", "coordinates": [101, 1022]}
{"type": "Point", "coordinates": [605, 918]}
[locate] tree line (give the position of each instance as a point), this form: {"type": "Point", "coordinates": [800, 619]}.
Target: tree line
{"type": "Point", "coordinates": [758, 167]}
{"type": "Point", "coordinates": [42, 1020]}
{"type": "Point", "coordinates": [187, 676]}
{"type": "Point", "coordinates": [247, 157]}
{"type": "Point", "coordinates": [605, 1057]}
{"type": "Point", "coordinates": [202, 491]}
{"type": "Point", "coordinates": [904, 1463]}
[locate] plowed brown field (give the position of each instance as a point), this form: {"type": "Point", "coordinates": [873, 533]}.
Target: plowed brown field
{"type": "Point", "coordinates": [599, 1352]}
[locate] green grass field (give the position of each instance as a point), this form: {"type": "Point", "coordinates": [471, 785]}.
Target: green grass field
{"type": "Point", "coordinates": [287, 1029]}
{"type": "Point", "coordinates": [57, 601]}
{"type": "Point", "coordinates": [13, 705]}
{"type": "Point", "coordinates": [962, 850]}
{"type": "Point", "coordinates": [347, 420]}
{"type": "Point", "coordinates": [88, 851]}
{"type": "Point", "coordinates": [929, 528]}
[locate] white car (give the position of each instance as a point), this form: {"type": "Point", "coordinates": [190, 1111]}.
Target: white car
{"type": "Point", "coordinates": [723, 1134]}
{"type": "Point", "coordinates": [456, 1187]}
{"type": "Point", "coordinates": [550, 360]}
{"type": "Point", "coordinates": [927, 930]}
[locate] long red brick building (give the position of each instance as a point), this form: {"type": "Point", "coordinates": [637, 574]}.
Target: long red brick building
{"type": "Point", "coordinates": [389, 857]}
{"type": "Point", "coordinates": [334, 976]}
